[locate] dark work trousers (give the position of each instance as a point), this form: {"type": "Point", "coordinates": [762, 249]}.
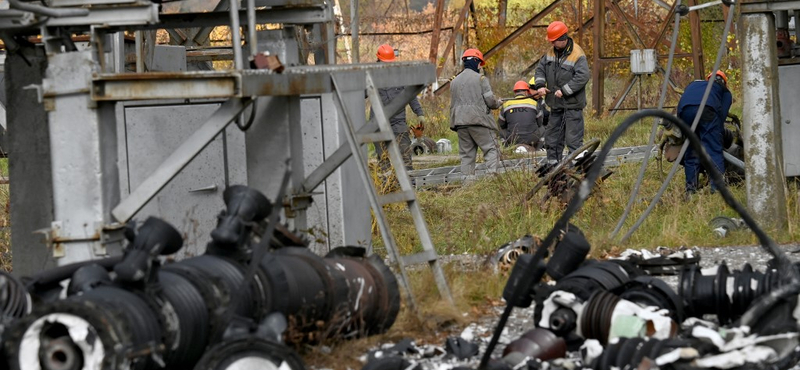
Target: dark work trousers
{"type": "Point", "coordinates": [382, 151]}
{"type": "Point", "coordinates": [470, 138]}
{"type": "Point", "coordinates": [710, 133]}
{"type": "Point", "coordinates": [565, 127]}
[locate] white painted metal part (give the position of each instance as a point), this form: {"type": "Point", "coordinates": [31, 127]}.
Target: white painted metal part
{"type": "Point", "coordinates": [80, 332]}
{"type": "Point", "coordinates": [83, 154]}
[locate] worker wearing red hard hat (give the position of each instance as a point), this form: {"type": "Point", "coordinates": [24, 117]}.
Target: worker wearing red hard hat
{"type": "Point", "coordinates": [386, 53]}
{"type": "Point", "coordinates": [471, 102]}
{"type": "Point", "coordinates": [561, 77]}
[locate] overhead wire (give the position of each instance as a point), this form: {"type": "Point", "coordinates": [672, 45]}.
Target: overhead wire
{"type": "Point", "coordinates": [673, 170]}
{"type": "Point", "coordinates": [654, 129]}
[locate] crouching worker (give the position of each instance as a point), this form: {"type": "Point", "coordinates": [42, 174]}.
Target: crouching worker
{"type": "Point", "coordinates": [520, 119]}
{"type": "Point", "coordinates": [711, 126]}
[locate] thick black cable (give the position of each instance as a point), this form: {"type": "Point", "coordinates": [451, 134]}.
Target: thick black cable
{"type": "Point", "coordinates": [674, 169]}
{"type": "Point", "coordinates": [784, 266]}
{"type": "Point", "coordinates": [654, 129]}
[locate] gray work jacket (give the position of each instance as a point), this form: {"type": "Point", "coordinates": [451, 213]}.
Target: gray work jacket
{"type": "Point", "coordinates": [471, 101]}
{"type": "Point", "coordinates": [398, 121]}
{"type": "Point", "coordinates": [568, 72]}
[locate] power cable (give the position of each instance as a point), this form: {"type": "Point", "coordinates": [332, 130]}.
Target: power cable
{"type": "Point", "coordinates": [673, 170]}
{"type": "Point", "coordinates": [654, 129]}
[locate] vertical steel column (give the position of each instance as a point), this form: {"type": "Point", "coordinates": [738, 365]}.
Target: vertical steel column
{"type": "Point", "coordinates": [31, 192]}
{"type": "Point", "coordinates": [83, 155]}
{"type": "Point", "coordinates": [598, 68]}
{"type": "Point", "coordinates": [766, 198]}
{"type": "Point", "coordinates": [697, 42]}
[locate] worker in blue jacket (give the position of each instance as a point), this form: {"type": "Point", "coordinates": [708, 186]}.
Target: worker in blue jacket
{"type": "Point", "coordinates": [711, 126]}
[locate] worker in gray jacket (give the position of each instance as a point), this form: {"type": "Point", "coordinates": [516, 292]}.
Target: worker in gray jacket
{"type": "Point", "coordinates": [562, 75]}
{"type": "Point", "coordinates": [471, 101]}
{"type": "Point", "coordinates": [398, 121]}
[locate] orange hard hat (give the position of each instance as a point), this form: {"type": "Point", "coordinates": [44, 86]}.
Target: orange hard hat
{"type": "Point", "coordinates": [556, 30]}
{"type": "Point", "coordinates": [721, 74]}
{"type": "Point", "coordinates": [521, 85]}
{"type": "Point", "coordinates": [474, 53]}
{"type": "Point", "coordinates": [386, 53]}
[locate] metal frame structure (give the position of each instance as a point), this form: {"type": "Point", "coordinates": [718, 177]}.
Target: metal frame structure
{"type": "Point", "coordinates": [82, 211]}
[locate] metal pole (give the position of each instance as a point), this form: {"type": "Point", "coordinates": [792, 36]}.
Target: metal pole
{"type": "Point", "coordinates": [251, 27]}
{"type": "Point", "coordinates": [139, 60]}
{"type": "Point", "coordinates": [597, 65]}
{"type": "Point", "coordinates": [354, 30]}
{"type": "Point", "coordinates": [766, 198]}
{"type": "Point", "coordinates": [236, 39]}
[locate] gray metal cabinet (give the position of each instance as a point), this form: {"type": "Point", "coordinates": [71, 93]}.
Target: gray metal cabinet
{"type": "Point", "coordinates": [789, 77]}
{"type": "Point", "coordinates": [193, 199]}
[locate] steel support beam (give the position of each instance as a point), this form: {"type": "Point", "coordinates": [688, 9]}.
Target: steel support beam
{"type": "Point", "coordinates": [766, 198]}
{"type": "Point", "coordinates": [433, 54]}
{"type": "Point", "coordinates": [178, 159]}
{"type": "Point", "coordinates": [598, 72]}
{"type": "Point", "coordinates": [84, 158]}
{"type": "Point", "coordinates": [31, 197]}
{"type": "Point", "coordinates": [451, 42]}
{"type": "Point", "coordinates": [524, 27]}
{"type": "Point", "coordinates": [219, 84]}
{"type": "Point", "coordinates": [697, 42]}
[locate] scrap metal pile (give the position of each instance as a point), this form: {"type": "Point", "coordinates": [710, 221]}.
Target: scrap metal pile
{"type": "Point", "coordinates": [237, 306]}
{"type": "Point", "coordinates": [562, 179]}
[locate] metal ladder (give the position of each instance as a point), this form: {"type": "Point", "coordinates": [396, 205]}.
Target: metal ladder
{"type": "Point", "coordinates": [406, 194]}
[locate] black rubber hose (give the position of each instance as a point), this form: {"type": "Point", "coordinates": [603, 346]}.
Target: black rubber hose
{"type": "Point", "coordinates": [60, 273]}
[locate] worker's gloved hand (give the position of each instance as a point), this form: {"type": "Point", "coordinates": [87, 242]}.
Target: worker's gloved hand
{"type": "Point", "coordinates": [543, 91]}
{"type": "Point", "coordinates": [422, 122]}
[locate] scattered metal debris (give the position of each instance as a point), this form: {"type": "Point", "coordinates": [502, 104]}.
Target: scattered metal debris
{"type": "Point", "coordinates": [722, 225]}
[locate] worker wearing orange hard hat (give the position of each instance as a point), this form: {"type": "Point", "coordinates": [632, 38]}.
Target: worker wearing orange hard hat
{"type": "Point", "coordinates": [520, 119]}
{"type": "Point", "coordinates": [471, 102]}
{"type": "Point", "coordinates": [561, 77]}
{"type": "Point", "coordinates": [386, 53]}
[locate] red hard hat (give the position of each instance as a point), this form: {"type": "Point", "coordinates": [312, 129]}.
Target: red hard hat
{"type": "Point", "coordinates": [521, 85]}
{"type": "Point", "coordinates": [386, 53]}
{"type": "Point", "coordinates": [474, 53]}
{"type": "Point", "coordinates": [556, 30]}
{"type": "Point", "coordinates": [721, 74]}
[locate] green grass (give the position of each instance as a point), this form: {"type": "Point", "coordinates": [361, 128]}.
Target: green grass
{"type": "Point", "coordinates": [478, 218]}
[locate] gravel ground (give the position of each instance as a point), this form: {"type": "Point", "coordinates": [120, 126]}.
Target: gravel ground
{"type": "Point", "coordinates": [431, 356]}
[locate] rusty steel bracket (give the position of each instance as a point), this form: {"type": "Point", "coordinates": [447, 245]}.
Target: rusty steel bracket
{"type": "Point", "coordinates": [104, 236]}
{"type": "Point", "coordinates": [297, 202]}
